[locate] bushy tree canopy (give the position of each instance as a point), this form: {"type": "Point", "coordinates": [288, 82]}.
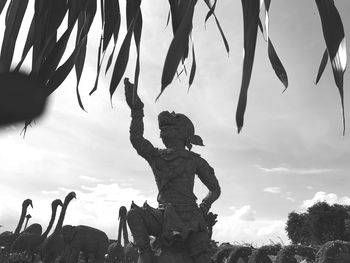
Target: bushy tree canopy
{"type": "Point", "coordinates": [320, 223]}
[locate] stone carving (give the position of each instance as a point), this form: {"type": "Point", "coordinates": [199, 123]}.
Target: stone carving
{"type": "Point", "coordinates": [178, 224]}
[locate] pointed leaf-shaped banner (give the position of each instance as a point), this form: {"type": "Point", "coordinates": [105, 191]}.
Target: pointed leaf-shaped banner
{"type": "Point", "coordinates": [133, 13]}
{"type": "Point", "coordinates": [174, 20]}
{"type": "Point", "coordinates": [109, 62]}
{"type": "Point", "coordinates": [2, 5]}
{"type": "Point", "coordinates": [102, 9]}
{"type": "Point", "coordinates": [134, 24]}
{"type": "Point", "coordinates": [211, 10]}
{"type": "Point", "coordinates": [115, 37]}
{"type": "Point", "coordinates": [333, 32]}
{"type": "Point", "coordinates": [267, 4]}
{"type": "Point", "coordinates": [227, 47]}
{"type": "Point", "coordinates": [99, 64]}
{"type": "Point", "coordinates": [323, 65]}
{"type": "Point", "coordinates": [178, 11]}
{"type": "Point", "coordinates": [79, 64]}
{"type": "Point", "coordinates": [48, 16]}
{"type": "Point", "coordinates": [250, 23]}
{"type": "Point", "coordinates": [193, 68]}
{"type": "Point", "coordinates": [57, 11]}
{"type": "Point", "coordinates": [178, 46]}
{"type": "Point", "coordinates": [8, 12]}
{"type": "Point", "coordinates": [29, 43]}
{"type": "Point", "coordinates": [40, 22]}
{"type": "Point", "coordinates": [122, 60]}
{"type": "Point", "coordinates": [52, 61]}
{"type": "Point", "coordinates": [50, 43]}
{"type": "Point", "coordinates": [168, 19]}
{"type": "Point", "coordinates": [111, 18]}
{"type": "Point", "coordinates": [277, 64]}
{"type": "Point", "coordinates": [62, 72]}
{"type": "Point", "coordinates": [117, 25]}
{"type": "Point", "coordinates": [132, 9]}
{"type": "Point", "coordinates": [91, 9]}
{"type": "Point", "coordinates": [137, 37]}
{"type": "Point", "coordinates": [14, 19]}
{"type": "Point", "coordinates": [75, 7]}
{"type": "Point", "coordinates": [272, 54]}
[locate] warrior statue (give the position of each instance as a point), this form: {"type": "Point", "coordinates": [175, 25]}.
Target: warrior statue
{"type": "Point", "coordinates": [178, 218]}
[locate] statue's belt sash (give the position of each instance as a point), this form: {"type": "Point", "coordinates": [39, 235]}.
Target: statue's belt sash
{"type": "Point", "coordinates": [177, 221]}
{"type": "Point", "coordinates": [180, 207]}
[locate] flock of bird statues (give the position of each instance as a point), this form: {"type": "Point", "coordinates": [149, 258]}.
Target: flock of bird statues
{"type": "Point", "coordinates": [67, 243]}
{"type": "Point", "coordinates": [78, 244]}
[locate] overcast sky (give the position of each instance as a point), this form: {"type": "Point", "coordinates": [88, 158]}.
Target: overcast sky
{"type": "Point", "coordinates": [290, 153]}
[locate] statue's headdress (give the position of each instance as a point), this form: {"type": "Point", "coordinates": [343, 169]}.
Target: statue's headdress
{"type": "Point", "coordinates": [183, 122]}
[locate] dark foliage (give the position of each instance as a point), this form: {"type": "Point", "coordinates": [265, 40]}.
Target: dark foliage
{"type": "Point", "coordinates": [48, 48]}
{"type": "Point", "coordinates": [321, 223]}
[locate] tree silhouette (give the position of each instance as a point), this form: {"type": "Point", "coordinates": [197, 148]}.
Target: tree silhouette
{"type": "Point", "coordinates": [296, 228]}
{"type": "Point", "coordinates": [48, 48]}
{"type": "Point", "coordinates": [321, 223]}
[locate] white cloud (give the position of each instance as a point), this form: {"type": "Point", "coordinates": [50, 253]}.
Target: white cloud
{"type": "Point", "coordinates": [236, 228]}
{"type": "Point", "coordinates": [330, 198]}
{"type": "Point", "coordinates": [89, 178]}
{"type": "Point", "coordinates": [11, 206]}
{"type": "Point", "coordinates": [289, 170]}
{"type": "Point", "coordinates": [244, 213]}
{"type": "Point", "coordinates": [95, 206]}
{"type": "Point", "coordinates": [17, 153]}
{"type": "Point", "coordinates": [273, 190]}
{"type": "Point", "coordinates": [53, 192]}
{"type": "Point", "coordinates": [274, 170]}
{"type": "Point", "coordinates": [99, 205]}
{"type": "Point", "coordinates": [290, 199]}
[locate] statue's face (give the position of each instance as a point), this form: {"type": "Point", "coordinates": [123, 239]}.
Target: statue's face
{"type": "Point", "coordinates": [171, 126]}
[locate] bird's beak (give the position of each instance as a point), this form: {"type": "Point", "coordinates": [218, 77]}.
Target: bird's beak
{"type": "Point", "coordinates": [31, 204]}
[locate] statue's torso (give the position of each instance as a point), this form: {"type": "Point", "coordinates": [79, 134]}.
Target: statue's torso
{"type": "Point", "coordinates": [174, 174]}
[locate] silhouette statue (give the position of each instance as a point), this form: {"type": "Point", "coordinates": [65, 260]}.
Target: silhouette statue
{"type": "Point", "coordinates": [178, 224]}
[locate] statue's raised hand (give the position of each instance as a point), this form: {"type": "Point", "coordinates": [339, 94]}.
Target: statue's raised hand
{"type": "Point", "coordinates": [132, 99]}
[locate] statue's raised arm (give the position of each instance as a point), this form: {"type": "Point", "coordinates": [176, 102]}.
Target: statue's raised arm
{"type": "Point", "coordinates": [143, 147]}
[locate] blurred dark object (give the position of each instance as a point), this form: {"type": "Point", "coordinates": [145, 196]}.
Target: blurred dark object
{"type": "Point", "coordinates": [22, 97]}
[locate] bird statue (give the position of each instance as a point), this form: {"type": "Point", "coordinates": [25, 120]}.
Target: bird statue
{"type": "Point", "coordinates": [7, 237]}
{"type": "Point", "coordinates": [53, 245]}
{"type": "Point", "coordinates": [29, 242]}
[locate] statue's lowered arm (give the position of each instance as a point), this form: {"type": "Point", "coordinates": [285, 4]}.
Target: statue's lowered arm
{"type": "Point", "coordinates": [206, 174]}
{"type": "Point", "coordinates": [143, 147]}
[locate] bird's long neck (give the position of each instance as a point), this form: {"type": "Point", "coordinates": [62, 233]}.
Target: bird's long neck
{"type": "Point", "coordinates": [21, 219]}
{"type": "Point", "coordinates": [125, 231]}
{"type": "Point", "coordinates": [52, 220]}
{"type": "Point", "coordinates": [62, 215]}
{"type": "Point", "coordinates": [120, 228]}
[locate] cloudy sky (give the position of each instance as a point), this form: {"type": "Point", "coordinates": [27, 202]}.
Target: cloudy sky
{"type": "Point", "coordinates": [290, 153]}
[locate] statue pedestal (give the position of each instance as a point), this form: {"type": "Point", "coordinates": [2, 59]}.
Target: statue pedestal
{"type": "Point", "coordinates": [170, 255]}
{"type": "Point", "coordinates": [177, 253]}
